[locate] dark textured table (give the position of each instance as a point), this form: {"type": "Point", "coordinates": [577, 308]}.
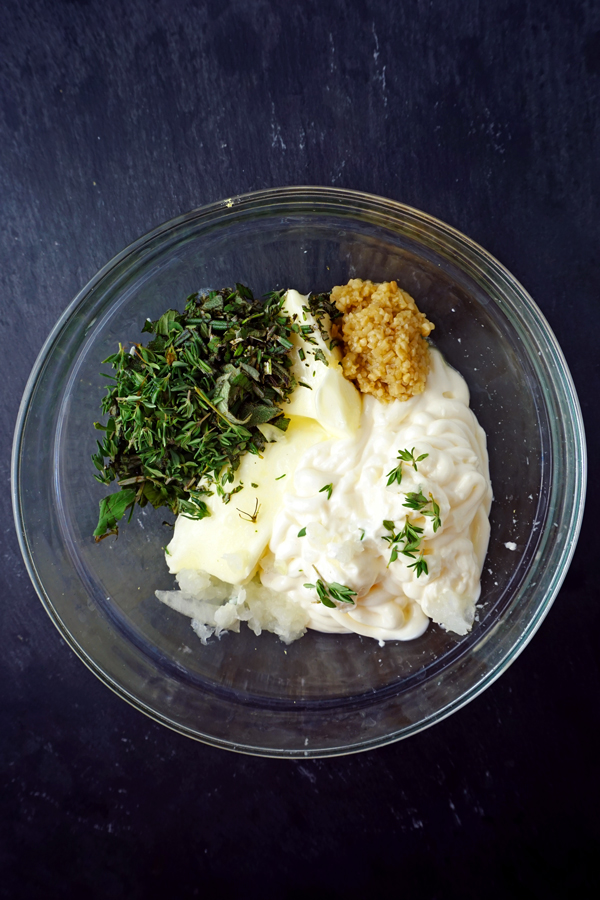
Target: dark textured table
{"type": "Point", "coordinates": [117, 116]}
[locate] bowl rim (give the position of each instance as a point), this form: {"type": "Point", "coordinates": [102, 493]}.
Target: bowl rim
{"type": "Point", "coordinates": [380, 206]}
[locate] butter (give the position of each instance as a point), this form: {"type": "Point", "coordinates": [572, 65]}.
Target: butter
{"type": "Point", "coordinates": [329, 398]}
{"type": "Point", "coordinates": [228, 544]}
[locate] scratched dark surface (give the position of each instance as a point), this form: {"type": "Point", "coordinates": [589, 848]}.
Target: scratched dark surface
{"type": "Point", "coordinates": [117, 116]}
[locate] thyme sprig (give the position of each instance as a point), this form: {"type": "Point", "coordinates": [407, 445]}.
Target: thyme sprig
{"type": "Point", "coordinates": [185, 408]}
{"type": "Point", "coordinates": [407, 542]}
{"type": "Point", "coordinates": [332, 593]}
{"type": "Point", "coordinates": [420, 566]}
{"type": "Point", "coordinates": [405, 456]}
{"type": "Point", "coordinates": [250, 517]}
{"type": "Point", "coordinates": [418, 501]}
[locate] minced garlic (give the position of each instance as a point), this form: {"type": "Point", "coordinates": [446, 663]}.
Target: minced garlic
{"type": "Point", "coordinates": [383, 333]}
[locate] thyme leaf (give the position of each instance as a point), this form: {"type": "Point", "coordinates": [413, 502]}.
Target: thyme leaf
{"type": "Point", "coordinates": [112, 509]}
{"type": "Point", "coordinates": [407, 542]}
{"type": "Point", "coordinates": [420, 566]}
{"type": "Point", "coordinates": [405, 456]}
{"type": "Point", "coordinates": [330, 594]}
{"type": "Point", "coordinates": [418, 501]}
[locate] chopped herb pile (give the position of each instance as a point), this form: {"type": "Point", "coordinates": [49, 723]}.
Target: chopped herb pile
{"type": "Point", "coordinates": [185, 408]}
{"type": "Point", "coordinates": [320, 305]}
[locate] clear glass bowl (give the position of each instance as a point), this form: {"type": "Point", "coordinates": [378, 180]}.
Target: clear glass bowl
{"type": "Point", "coordinates": [325, 694]}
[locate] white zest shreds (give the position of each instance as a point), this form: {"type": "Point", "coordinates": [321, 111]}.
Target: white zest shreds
{"type": "Point", "coordinates": [215, 607]}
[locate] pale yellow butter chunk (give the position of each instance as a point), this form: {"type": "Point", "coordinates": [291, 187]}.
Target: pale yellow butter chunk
{"type": "Point", "coordinates": [226, 544]}
{"type": "Point", "coordinates": [329, 397]}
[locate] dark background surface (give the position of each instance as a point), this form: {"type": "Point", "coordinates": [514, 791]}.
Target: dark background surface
{"type": "Point", "coordinates": [117, 116]}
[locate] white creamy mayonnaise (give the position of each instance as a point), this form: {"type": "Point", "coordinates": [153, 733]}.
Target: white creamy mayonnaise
{"type": "Point", "coordinates": [344, 535]}
{"type": "Point", "coordinates": [230, 569]}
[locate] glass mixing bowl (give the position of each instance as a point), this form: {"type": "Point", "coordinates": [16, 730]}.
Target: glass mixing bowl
{"type": "Point", "coordinates": [325, 694]}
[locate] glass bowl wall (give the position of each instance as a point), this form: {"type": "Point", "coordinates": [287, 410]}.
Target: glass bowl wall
{"type": "Point", "coordinates": [324, 694]}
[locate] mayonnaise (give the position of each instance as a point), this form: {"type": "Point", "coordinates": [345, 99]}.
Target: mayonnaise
{"type": "Point", "coordinates": [344, 534]}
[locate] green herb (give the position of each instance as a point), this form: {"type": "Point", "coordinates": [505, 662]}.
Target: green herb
{"type": "Point", "coordinates": [252, 484]}
{"type": "Point", "coordinates": [420, 566]}
{"type": "Point", "coordinates": [406, 542]}
{"type": "Point", "coordinates": [328, 488]}
{"type": "Point", "coordinates": [184, 409]}
{"type": "Point", "coordinates": [434, 513]}
{"type": "Point", "coordinates": [418, 501]}
{"type": "Point", "coordinates": [281, 476]}
{"type": "Point", "coordinates": [341, 592]}
{"type": "Point", "coordinates": [250, 517]}
{"type": "Point", "coordinates": [302, 532]}
{"type": "Point", "coordinates": [412, 536]}
{"type": "Point", "coordinates": [405, 456]}
{"type": "Point", "coordinates": [113, 508]}
{"type": "Point", "coordinates": [329, 594]}
{"type": "Point", "coordinates": [227, 495]}
{"type": "Point", "coordinates": [363, 534]}
{"type": "Point", "coordinates": [321, 307]}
